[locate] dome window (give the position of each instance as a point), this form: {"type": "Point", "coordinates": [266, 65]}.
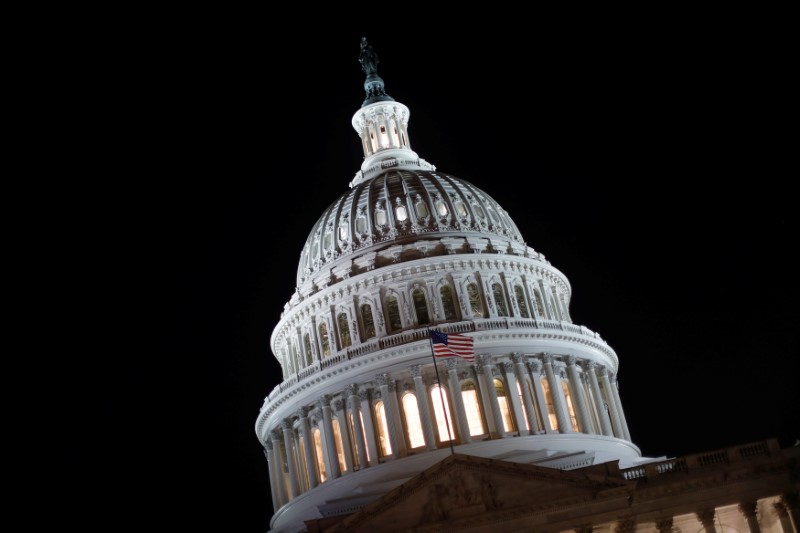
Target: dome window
{"type": "Point", "coordinates": [475, 300]}
{"type": "Point", "coordinates": [441, 208]}
{"type": "Point", "coordinates": [344, 330]}
{"type": "Point", "coordinates": [361, 225]}
{"type": "Point", "coordinates": [479, 211]}
{"type": "Point", "coordinates": [420, 306]}
{"type": "Point", "coordinates": [447, 303]}
{"type": "Point", "coordinates": [461, 209]}
{"type": "Point", "coordinates": [344, 232]}
{"type": "Point", "coordinates": [380, 217]}
{"type": "Point", "coordinates": [323, 339]}
{"type": "Point", "coordinates": [366, 319]}
{"type": "Point", "coordinates": [422, 209]}
{"type": "Point", "coordinates": [327, 241]}
{"type": "Point", "coordinates": [401, 213]}
{"type": "Point", "coordinates": [393, 312]}
{"type": "Point", "coordinates": [523, 306]}
{"type": "Point", "coordinates": [499, 299]}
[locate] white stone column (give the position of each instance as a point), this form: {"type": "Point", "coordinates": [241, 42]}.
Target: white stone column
{"type": "Point", "coordinates": [369, 427]}
{"type": "Point", "coordinates": [748, 510]}
{"type": "Point", "coordinates": [353, 406]}
{"type": "Point", "coordinates": [331, 456]}
{"type": "Point", "coordinates": [546, 303]}
{"type": "Point", "coordinates": [391, 412]}
{"type": "Point", "coordinates": [513, 397]}
{"type": "Point", "coordinates": [272, 464]}
{"type": "Point", "coordinates": [279, 479]}
{"type": "Point", "coordinates": [599, 402]}
{"type": "Point", "coordinates": [294, 476]}
{"type": "Point", "coordinates": [564, 425]}
{"type": "Point", "coordinates": [584, 419]}
{"type": "Point", "coordinates": [618, 402]}
{"type": "Point", "coordinates": [315, 416]}
{"type": "Point", "coordinates": [522, 378]}
{"type": "Point", "coordinates": [483, 366]}
{"type": "Point", "coordinates": [344, 432]}
{"type": "Point", "coordinates": [541, 398]}
{"type": "Point", "coordinates": [455, 391]}
{"type": "Point", "coordinates": [308, 448]}
{"type": "Point", "coordinates": [424, 407]}
{"type": "Point", "coordinates": [616, 423]}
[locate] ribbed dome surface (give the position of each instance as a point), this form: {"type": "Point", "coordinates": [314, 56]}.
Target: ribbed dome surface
{"type": "Point", "coordinates": [398, 207]}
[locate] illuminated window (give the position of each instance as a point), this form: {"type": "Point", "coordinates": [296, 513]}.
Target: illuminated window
{"type": "Point", "coordinates": [383, 429]}
{"type": "Point", "coordinates": [337, 439]}
{"type": "Point", "coordinates": [570, 409]}
{"type": "Point", "coordinates": [505, 409]}
{"type": "Point", "coordinates": [328, 241]}
{"type": "Point", "coordinates": [323, 339]}
{"type": "Point", "coordinates": [499, 299]}
{"type": "Point", "coordinates": [300, 459]}
{"type": "Point", "coordinates": [523, 306]}
{"type": "Point", "coordinates": [461, 209]}
{"type": "Point", "coordinates": [474, 300]}
{"type": "Point", "coordinates": [323, 474]}
{"type": "Point", "coordinates": [441, 410]}
{"type": "Point", "coordinates": [479, 211]}
{"type": "Point", "coordinates": [401, 213]}
{"type": "Point", "coordinates": [344, 232]}
{"type": "Point", "coordinates": [393, 311]}
{"type": "Point", "coordinates": [380, 217]}
{"type": "Point", "coordinates": [551, 411]}
{"type": "Point", "coordinates": [413, 423]}
{"type": "Point", "coordinates": [472, 407]}
{"type": "Point", "coordinates": [420, 306]}
{"type": "Point", "coordinates": [344, 330]}
{"type": "Point", "coordinates": [361, 224]}
{"type": "Point", "coordinates": [447, 302]}
{"type": "Point", "coordinates": [441, 207]}
{"type": "Point", "coordinates": [369, 323]}
{"type": "Point", "coordinates": [422, 209]}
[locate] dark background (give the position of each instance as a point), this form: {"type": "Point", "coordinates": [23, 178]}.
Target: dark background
{"type": "Point", "coordinates": [647, 158]}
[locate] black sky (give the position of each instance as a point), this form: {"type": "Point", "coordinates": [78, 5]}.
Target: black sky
{"type": "Point", "coordinates": [646, 161]}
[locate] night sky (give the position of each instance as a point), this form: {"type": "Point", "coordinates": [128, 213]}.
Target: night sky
{"type": "Point", "coordinates": [646, 162]}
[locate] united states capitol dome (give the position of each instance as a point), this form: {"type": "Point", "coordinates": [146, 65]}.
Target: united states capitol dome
{"type": "Point", "coordinates": [405, 214]}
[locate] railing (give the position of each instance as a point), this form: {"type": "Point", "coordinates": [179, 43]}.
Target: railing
{"type": "Point", "coordinates": [702, 460]}
{"type": "Point", "coordinates": [421, 334]}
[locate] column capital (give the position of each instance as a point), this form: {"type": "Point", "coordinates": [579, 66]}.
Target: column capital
{"type": "Point", "coordinates": [392, 385]}
{"type": "Point", "coordinates": [416, 371]}
{"type": "Point", "coordinates": [748, 509]}
{"type": "Point", "coordinates": [268, 444]}
{"type": "Point", "coordinates": [664, 525]}
{"type": "Point", "coordinates": [302, 412]}
{"type": "Point", "coordinates": [602, 370]}
{"type": "Point", "coordinates": [316, 416]}
{"type": "Point", "coordinates": [382, 379]}
{"type": "Point", "coordinates": [363, 394]}
{"type": "Point", "coordinates": [571, 360]}
{"type": "Point", "coordinates": [452, 363]}
{"type": "Point", "coordinates": [351, 390]}
{"type": "Point", "coordinates": [535, 366]}
{"type": "Point", "coordinates": [276, 435]}
{"type": "Point", "coordinates": [626, 525]}
{"type": "Point", "coordinates": [706, 517]}
{"type": "Point", "coordinates": [286, 425]}
{"type": "Point", "coordinates": [337, 404]}
{"type": "Point", "coordinates": [325, 400]}
{"type": "Point", "coordinates": [590, 365]}
{"type": "Point", "coordinates": [507, 366]}
{"type": "Point", "coordinates": [518, 357]}
{"type": "Point", "coordinates": [547, 358]}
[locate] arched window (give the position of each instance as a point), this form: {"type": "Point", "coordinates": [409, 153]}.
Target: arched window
{"type": "Point", "coordinates": [413, 423]}
{"type": "Point", "coordinates": [323, 339]}
{"type": "Point", "coordinates": [366, 319]}
{"type": "Point", "coordinates": [400, 212]}
{"type": "Point", "coordinates": [539, 304]}
{"type": "Point", "coordinates": [361, 225]}
{"type": "Point", "coordinates": [551, 411]}
{"type": "Point", "coordinates": [383, 429]}
{"type": "Point", "coordinates": [307, 343]}
{"type": "Point", "coordinates": [499, 299]}
{"type": "Point", "coordinates": [570, 409]}
{"type": "Point", "coordinates": [380, 217]}
{"type": "Point", "coordinates": [441, 409]}
{"type": "Point", "coordinates": [505, 408]}
{"type": "Point", "coordinates": [523, 306]}
{"type": "Point", "coordinates": [461, 209]}
{"type": "Point", "coordinates": [446, 294]}
{"type": "Point", "coordinates": [323, 474]}
{"type": "Point", "coordinates": [420, 306]}
{"type": "Point", "coordinates": [479, 211]}
{"type": "Point", "coordinates": [337, 439]}
{"type": "Point", "coordinates": [441, 208]}
{"type": "Point", "coordinates": [393, 312]}
{"type": "Point", "coordinates": [472, 406]}
{"type": "Point", "coordinates": [475, 304]}
{"type": "Point", "coordinates": [344, 330]}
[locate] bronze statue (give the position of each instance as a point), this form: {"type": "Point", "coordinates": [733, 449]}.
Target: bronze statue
{"type": "Point", "coordinates": [368, 58]}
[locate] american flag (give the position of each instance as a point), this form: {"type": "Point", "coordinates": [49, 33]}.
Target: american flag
{"type": "Point", "coordinates": [447, 345]}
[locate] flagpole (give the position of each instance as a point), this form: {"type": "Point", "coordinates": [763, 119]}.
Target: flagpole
{"type": "Point", "coordinates": [441, 395]}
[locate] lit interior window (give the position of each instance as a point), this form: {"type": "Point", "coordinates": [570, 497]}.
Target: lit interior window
{"type": "Point", "coordinates": [461, 209]}
{"type": "Point", "coordinates": [441, 409]}
{"type": "Point", "coordinates": [472, 407]}
{"type": "Point", "coordinates": [505, 409]}
{"type": "Point", "coordinates": [383, 429]}
{"type": "Point", "coordinates": [401, 213]}
{"type": "Point", "coordinates": [323, 473]}
{"type": "Point", "coordinates": [380, 217]}
{"type": "Point", "coordinates": [413, 424]}
{"type": "Point", "coordinates": [422, 209]}
{"type": "Point", "coordinates": [441, 208]}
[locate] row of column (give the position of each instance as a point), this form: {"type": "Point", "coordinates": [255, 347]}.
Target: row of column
{"type": "Point", "coordinates": [597, 411]}
{"type": "Point", "coordinates": [786, 509]}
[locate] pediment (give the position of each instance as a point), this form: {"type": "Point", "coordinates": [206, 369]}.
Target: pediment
{"type": "Point", "coordinates": [465, 490]}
